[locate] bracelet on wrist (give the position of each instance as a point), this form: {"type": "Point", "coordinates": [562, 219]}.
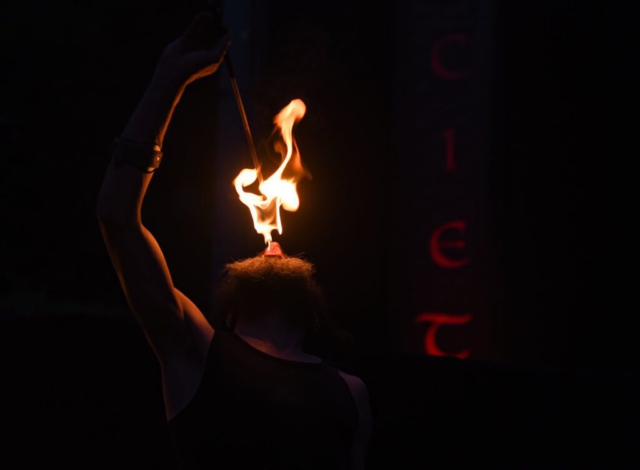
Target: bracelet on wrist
{"type": "Point", "coordinates": [144, 157]}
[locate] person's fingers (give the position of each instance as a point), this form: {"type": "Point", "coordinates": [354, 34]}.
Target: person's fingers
{"type": "Point", "coordinates": [214, 54]}
{"type": "Point", "coordinates": [206, 29]}
{"type": "Point", "coordinates": [199, 23]}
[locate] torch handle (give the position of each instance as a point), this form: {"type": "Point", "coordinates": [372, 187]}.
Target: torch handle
{"type": "Point", "coordinates": [214, 33]}
{"type": "Point", "coordinates": [243, 114]}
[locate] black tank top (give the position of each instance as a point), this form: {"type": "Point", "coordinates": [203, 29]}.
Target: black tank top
{"type": "Point", "coordinates": [253, 410]}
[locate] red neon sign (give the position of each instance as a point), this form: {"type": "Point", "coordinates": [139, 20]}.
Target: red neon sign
{"type": "Point", "coordinates": [436, 62]}
{"type": "Point", "coordinates": [436, 245]}
{"type": "Point", "coordinates": [436, 320]}
{"type": "Point", "coordinates": [450, 149]}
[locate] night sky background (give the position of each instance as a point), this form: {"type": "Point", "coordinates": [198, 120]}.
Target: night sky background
{"type": "Point", "coordinates": [562, 219]}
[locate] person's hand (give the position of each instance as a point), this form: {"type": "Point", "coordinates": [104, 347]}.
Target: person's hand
{"type": "Point", "coordinates": [195, 54]}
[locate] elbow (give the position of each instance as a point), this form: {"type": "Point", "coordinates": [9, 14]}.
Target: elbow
{"type": "Point", "coordinates": [113, 220]}
{"type": "Point", "coordinates": [105, 214]}
{"type": "Point", "coordinates": [116, 210]}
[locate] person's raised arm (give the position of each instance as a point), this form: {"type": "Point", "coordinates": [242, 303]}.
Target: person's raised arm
{"type": "Point", "coordinates": [172, 324]}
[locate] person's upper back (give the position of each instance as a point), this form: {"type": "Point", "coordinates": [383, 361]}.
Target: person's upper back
{"type": "Point", "coordinates": [254, 410]}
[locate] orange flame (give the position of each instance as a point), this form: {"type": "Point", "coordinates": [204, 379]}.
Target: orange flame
{"type": "Point", "coordinates": [276, 191]}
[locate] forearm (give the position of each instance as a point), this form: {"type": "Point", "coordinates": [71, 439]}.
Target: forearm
{"type": "Point", "coordinates": [150, 120]}
{"type": "Point", "coordinates": [124, 186]}
{"type": "Point", "coordinates": [182, 61]}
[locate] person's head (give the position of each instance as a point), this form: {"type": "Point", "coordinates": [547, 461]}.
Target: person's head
{"type": "Point", "coordinates": [263, 286]}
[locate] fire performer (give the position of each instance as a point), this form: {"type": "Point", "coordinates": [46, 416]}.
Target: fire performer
{"type": "Point", "coordinates": [245, 394]}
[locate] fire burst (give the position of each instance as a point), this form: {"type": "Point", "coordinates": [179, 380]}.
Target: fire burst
{"type": "Point", "coordinates": [280, 189]}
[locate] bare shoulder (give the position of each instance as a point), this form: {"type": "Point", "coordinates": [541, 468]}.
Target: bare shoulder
{"type": "Point", "coordinates": [359, 392]}
{"type": "Point", "coordinates": [356, 385]}
{"type": "Point", "coordinates": [199, 331]}
{"type": "Point", "coordinates": [183, 366]}
{"type": "Point", "coordinates": [363, 431]}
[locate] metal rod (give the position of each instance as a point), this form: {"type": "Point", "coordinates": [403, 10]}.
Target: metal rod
{"type": "Point", "coordinates": [215, 9]}
{"type": "Point", "coordinates": [243, 115]}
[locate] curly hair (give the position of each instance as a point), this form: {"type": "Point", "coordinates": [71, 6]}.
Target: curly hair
{"type": "Point", "coordinates": [264, 284]}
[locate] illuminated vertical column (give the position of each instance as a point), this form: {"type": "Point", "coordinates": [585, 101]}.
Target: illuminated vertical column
{"type": "Point", "coordinates": [440, 286]}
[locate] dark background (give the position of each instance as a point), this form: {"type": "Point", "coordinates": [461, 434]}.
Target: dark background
{"type": "Point", "coordinates": [83, 388]}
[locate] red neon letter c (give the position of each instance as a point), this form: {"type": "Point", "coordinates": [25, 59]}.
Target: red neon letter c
{"type": "Point", "coordinates": [436, 62]}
